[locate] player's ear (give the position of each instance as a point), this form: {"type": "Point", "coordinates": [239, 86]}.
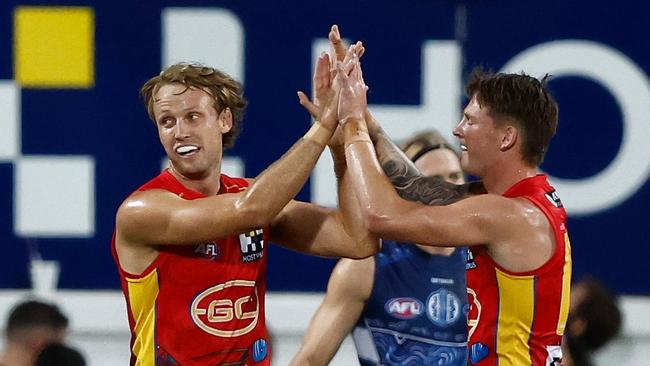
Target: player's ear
{"type": "Point", "coordinates": [509, 137]}
{"type": "Point", "coordinates": [225, 120]}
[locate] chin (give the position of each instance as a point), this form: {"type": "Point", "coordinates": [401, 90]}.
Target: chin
{"type": "Point", "coordinates": [190, 171]}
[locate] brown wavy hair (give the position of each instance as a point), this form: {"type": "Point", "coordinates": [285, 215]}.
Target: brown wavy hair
{"type": "Point", "coordinates": [225, 91]}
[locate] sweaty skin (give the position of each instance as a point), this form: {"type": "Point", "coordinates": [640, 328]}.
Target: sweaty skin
{"type": "Point", "coordinates": [190, 130]}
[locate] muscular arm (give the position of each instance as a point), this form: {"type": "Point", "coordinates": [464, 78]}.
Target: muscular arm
{"type": "Point", "coordinates": [160, 218]}
{"type": "Point", "coordinates": [389, 216]}
{"type": "Point", "coordinates": [347, 292]}
{"type": "Point", "coordinates": [406, 178]}
{"type": "Point", "coordinates": [514, 231]}
{"type": "Point", "coordinates": [316, 230]}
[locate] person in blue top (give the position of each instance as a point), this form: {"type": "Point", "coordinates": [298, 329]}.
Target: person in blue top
{"type": "Point", "coordinates": [407, 305]}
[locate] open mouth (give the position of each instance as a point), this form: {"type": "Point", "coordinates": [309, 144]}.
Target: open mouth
{"type": "Point", "coordinates": [186, 150]}
{"type": "Point", "coordinates": [463, 147]}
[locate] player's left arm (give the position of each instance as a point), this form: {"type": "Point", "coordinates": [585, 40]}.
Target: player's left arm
{"type": "Point", "coordinates": [317, 230]}
{"type": "Point", "coordinates": [348, 290]}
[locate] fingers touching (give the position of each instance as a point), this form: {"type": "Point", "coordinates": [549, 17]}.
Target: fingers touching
{"type": "Point", "coordinates": [338, 46]}
{"type": "Point", "coordinates": [339, 91]}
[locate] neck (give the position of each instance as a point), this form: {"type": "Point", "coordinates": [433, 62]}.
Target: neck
{"type": "Point", "coordinates": [15, 355]}
{"type": "Point", "coordinates": [498, 180]}
{"type": "Point", "coordinates": [446, 251]}
{"type": "Point", "coordinates": [208, 184]}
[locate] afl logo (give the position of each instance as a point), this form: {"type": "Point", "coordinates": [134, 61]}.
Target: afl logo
{"type": "Point", "coordinates": [227, 310]}
{"type": "Point", "coordinates": [443, 307]}
{"type": "Point", "coordinates": [404, 307]}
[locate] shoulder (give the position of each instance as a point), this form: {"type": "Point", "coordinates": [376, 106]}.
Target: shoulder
{"type": "Point", "coordinates": [140, 200]}
{"type": "Point", "coordinates": [493, 218]}
{"type": "Point", "coordinates": [142, 204]}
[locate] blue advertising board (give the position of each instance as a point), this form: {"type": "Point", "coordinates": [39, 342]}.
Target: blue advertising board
{"type": "Point", "coordinates": [75, 138]}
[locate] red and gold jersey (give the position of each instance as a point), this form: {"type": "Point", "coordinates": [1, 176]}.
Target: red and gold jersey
{"type": "Point", "coordinates": [518, 318]}
{"type": "Point", "coordinates": [200, 304]}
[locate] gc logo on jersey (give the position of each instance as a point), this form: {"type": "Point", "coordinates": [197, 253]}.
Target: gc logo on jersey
{"type": "Point", "coordinates": [404, 307]}
{"type": "Point", "coordinates": [227, 310]}
{"type": "Point", "coordinates": [443, 307]}
{"type": "Point", "coordinates": [474, 315]}
{"type": "Point", "coordinates": [252, 245]}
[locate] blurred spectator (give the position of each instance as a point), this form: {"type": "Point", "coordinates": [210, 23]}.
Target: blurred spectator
{"type": "Point", "coordinates": [30, 327]}
{"type": "Point", "coordinates": [57, 354]}
{"type": "Point", "coordinates": [594, 320]}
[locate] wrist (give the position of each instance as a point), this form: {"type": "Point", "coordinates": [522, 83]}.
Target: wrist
{"type": "Point", "coordinates": [318, 134]}
{"type": "Point", "coordinates": [356, 133]}
{"type": "Point", "coordinates": [350, 115]}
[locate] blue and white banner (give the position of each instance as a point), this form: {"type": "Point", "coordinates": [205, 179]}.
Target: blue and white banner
{"type": "Point", "coordinates": [75, 138]}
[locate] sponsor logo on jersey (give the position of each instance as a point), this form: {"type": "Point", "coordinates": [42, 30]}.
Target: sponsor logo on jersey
{"type": "Point", "coordinates": [442, 281]}
{"type": "Point", "coordinates": [477, 352]}
{"type": "Point", "coordinates": [260, 349]}
{"type": "Point", "coordinates": [227, 310]}
{"type": "Point", "coordinates": [252, 245]}
{"type": "Point", "coordinates": [553, 198]}
{"type": "Point", "coordinates": [553, 356]}
{"type": "Point", "coordinates": [471, 263]}
{"type": "Point", "coordinates": [404, 307]}
{"type": "Point", "coordinates": [443, 307]}
{"type": "Point", "coordinates": [474, 315]}
{"type": "Point", "coordinates": [207, 250]}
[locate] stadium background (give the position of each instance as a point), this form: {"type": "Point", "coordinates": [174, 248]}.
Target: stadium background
{"type": "Point", "coordinates": [75, 138]}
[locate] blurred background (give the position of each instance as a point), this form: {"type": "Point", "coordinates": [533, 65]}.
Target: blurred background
{"type": "Point", "coordinates": [75, 138]}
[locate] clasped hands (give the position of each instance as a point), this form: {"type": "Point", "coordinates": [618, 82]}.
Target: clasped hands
{"type": "Point", "coordinates": [339, 91]}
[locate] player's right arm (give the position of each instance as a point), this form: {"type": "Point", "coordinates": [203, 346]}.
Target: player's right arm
{"type": "Point", "coordinates": [348, 290]}
{"type": "Point", "coordinates": [158, 217]}
{"type": "Point", "coordinates": [409, 183]}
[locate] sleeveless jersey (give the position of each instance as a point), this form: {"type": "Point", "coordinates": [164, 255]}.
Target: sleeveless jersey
{"type": "Point", "coordinates": [202, 304]}
{"type": "Point", "coordinates": [417, 310]}
{"type": "Point", "coordinates": [518, 318]}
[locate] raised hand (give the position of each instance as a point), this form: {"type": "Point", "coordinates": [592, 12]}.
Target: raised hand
{"type": "Point", "coordinates": [352, 101]}
{"type": "Point", "coordinates": [325, 104]}
{"type": "Point", "coordinates": [339, 49]}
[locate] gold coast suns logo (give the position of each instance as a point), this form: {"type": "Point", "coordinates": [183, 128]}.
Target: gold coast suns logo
{"type": "Point", "coordinates": [474, 315]}
{"type": "Point", "coordinates": [227, 310]}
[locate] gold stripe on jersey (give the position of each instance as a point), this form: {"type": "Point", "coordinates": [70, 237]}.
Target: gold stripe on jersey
{"type": "Point", "coordinates": [566, 287]}
{"type": "Point", "coordinates": [516, 313]}
{"type": "Point", "coordinates": [142, 301]}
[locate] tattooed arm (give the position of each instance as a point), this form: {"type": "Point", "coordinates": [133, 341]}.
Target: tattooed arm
{"type": "Point", "coordinates": [408, 181]}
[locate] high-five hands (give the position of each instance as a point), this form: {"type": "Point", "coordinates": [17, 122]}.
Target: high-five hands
{"type": "Point", "coordinates": [352, 100]}
{"type": "Point", "coordinates": [331, 80]}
